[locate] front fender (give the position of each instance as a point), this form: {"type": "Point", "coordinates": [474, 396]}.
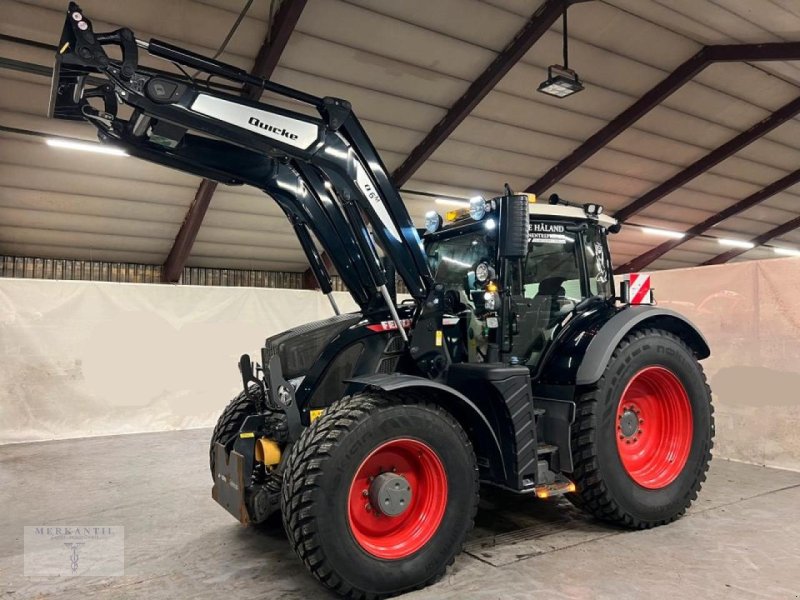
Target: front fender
{"type": "Point", "coordinates": [581, 350]}
{"type": "Point", "coordinates": [457, 404]}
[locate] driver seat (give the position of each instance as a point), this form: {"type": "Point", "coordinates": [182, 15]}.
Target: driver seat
{"type": "Point", "coordinates": [546, 304]}
{"type": "Point", "coordinates": [543, 310]}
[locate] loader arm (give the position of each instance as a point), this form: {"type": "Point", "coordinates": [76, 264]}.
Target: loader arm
{"type": "Point", "coordinates": [323, 171]}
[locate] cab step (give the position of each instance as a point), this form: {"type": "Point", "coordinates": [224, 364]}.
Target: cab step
{"type": "Point", "coordinates": [558, 488]}
{"type": "Point", "coordinates": [543, 449]}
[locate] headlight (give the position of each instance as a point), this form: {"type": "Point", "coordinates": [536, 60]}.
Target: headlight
{"type": "Point", "coordinates": [482, 272]}
{"type": "Point", "coordinates": [433, 221]}
{"type": "Point", "coordinates": [477, 208]}
{"type": "Point", "coordinates": [490, 301]}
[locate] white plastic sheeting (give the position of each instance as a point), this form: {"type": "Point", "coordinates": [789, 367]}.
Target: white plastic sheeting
{"type": "Point", "coordinates": [81, 358]}
{"type": "Point", "coordinates": [750, 314]}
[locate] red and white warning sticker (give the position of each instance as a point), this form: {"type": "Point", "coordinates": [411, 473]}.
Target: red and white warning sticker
{"type": "Point", "coordinates": [639, 292]}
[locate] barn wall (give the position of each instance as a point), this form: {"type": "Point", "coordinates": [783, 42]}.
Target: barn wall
{"type": "Point", "coordinates": [93, 358]}
{"type": "Point", "coordinates": [750, 314]}
{"type": "Point", "coordinates": [81, 358]}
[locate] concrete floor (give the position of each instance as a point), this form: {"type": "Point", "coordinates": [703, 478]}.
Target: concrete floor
{"type": "Point", "coordinates": [740, 540]}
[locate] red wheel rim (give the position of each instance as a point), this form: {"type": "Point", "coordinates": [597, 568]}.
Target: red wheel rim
{"type": "Point", "coordinates": [394, 537]}
{"type": "Point", "coordinates": [654, 427]}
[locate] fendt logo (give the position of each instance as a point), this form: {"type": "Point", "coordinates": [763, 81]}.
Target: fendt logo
{"type": "Point", "coordinates": [277, 130]}
{"type": "Point", "coordinates": [547, 228]}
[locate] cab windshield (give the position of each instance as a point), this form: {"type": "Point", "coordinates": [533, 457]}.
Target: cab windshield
{"type": "Point", "coordinates": [563, 266]}
{"type": "Point", "coordinates": [452, 260]}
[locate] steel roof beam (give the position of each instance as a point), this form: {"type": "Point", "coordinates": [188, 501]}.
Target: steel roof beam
{"type": "Point", "coordinates": [707, 55]}
{"type": "Point", "coordinates": [646, 258]}
{"type": "Point", "coordinates": [264, 65]}
{"type": "Point", "coordinates": [534, 29]}
{"type": "Point", "coordinates": [756, 241]}
{"type": "Point", "coordinates": [785, 113]}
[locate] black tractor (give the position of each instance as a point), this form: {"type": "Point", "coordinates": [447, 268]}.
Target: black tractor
{"type": "Point", "coordinates": [513, 361]}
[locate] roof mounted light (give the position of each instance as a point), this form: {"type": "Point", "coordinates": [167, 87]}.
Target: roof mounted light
{"type": "Point", "coordinates": [786, 251]}
{"type": "Point", "coordinates": [477, 207]}
{"type": "Point", "coordinates": [593, 210]}
{"type": "Point", "coordinates": [736, 243]}
{"type": "Point", "coordinates": [561, 80]}
{"type": "Point", "coordinates": [433, 221]}
{"type": "Point", "coordinates": [452, 202]}
{"type": "Point", "coordinates": [663, 232]}
{"type": "Point", "coordinates": [85, 146]}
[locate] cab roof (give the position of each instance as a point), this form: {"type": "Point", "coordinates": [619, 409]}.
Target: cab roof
{"type": "Point", "coordinates": [568, 212]}
{"type": "Point", "coordinates": [535, 209]}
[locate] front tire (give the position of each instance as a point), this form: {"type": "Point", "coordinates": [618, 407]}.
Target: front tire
{"type": "Point", "coordinates": [367, 450]}
{"type": "Point", "coordinates": [230, 421]}
{"type": "Point", "coordinates": [643, 435]}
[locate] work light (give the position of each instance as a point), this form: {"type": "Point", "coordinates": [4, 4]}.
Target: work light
{"type": "Point", "coordinates": [477, 207]}
{"type": "Point", "coordinates": [433, 221]}
{"type": "Point", "coordinates": [482, 272]}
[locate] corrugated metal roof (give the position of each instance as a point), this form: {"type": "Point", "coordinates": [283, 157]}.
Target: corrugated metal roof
{"type": "Point", "coordinates": [402, 65]}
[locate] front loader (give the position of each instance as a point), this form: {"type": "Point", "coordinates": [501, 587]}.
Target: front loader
{"type": "Point", "coordinates": [514, 362]}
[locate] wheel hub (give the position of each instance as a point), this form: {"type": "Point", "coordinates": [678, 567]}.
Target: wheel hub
{"type": "Point", "coordinates": [390, 493]}
{"type": "Point", "coordinates": [654, 427]}
{"type": "Point", "coordinates": [628, 423]}
{"type": "Point", "coordinates": [410, 475]}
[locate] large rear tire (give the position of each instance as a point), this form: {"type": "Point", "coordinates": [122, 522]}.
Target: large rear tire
{"type": "Point", "coordinates": [643, 435]}
{"type": "Point", "coordinates": [408, 457]}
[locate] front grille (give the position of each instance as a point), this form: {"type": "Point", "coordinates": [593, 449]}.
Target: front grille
{"type": "Point", "coordinates": [395, 344]}
{"type": "Point", "coordinates": [388, 364]}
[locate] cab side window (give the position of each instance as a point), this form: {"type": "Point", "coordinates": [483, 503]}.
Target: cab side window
{"type": "Point", "coordinates": [597, 270]}
{"type": "Point", "coordinates": [551, 286]}
{"type": "Point", "coordinates": [551, 267]}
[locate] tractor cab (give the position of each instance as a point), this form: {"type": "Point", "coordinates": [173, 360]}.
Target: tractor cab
{"type": "Point", "coordinates": [509, 308]}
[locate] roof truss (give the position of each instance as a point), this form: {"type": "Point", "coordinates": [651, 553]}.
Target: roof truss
{"type": "Point", "coordinates": [707, 55]}
{"type": "Point", "coordinates": [756, 241]}
{"type": "Point", "coordinates": [646, 258]}
{"type": "Point", "coordinates": [534, 29]}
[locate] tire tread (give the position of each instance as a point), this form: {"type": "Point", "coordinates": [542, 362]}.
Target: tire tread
{"type": "Point", "coordinates": [592, 494]}
{"type": "Point", "coordinates": [307, 460]}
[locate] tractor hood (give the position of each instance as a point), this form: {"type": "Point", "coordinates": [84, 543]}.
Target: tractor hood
{"type": "Point", "coordinates": [298, 348]}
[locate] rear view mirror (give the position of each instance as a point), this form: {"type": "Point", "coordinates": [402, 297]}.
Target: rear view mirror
{"type": "Point", "coordinates": [246, 369]}
{"type": "Point", "coordinates": [514, 225]}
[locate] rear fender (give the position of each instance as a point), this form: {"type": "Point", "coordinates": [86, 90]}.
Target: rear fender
{"type": "Point", "coordinates": [612, 333]}
{"type": "Point", "coordinates": [474, 422]}
{"type": "Point", "coordinates": [581, 351]}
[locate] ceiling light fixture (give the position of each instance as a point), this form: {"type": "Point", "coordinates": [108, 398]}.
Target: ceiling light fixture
{"type": "Point", "coordinates": [561, 80]}
{"type": "Point", "coordinates": [663, 232]}
{"type": "Point", "coordinates": [786, 251]}
{"type": "Point", "coordinates": [736, 243]}
{"type": "Point", "coordinates": [85, 147]}
{"type": "Point", "coordinates": [449, 202]}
